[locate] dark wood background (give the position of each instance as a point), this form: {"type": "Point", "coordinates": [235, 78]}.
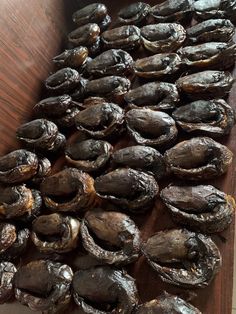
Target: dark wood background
{"type": "Point", "coordinates": [31, 33]}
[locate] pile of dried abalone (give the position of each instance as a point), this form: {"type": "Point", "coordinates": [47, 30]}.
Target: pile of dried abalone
{"type": "Point", "coordinates": [77, 218]}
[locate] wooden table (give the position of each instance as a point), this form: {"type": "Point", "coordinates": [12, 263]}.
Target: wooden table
{"type": "Point", "coordinates": [31, 33]}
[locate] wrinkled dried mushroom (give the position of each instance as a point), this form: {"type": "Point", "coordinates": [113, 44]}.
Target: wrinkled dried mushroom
{"type": "Point", "coordinates": [183, 258]}
{"type": "Point", "coordinates": [130, 189]}
{"type": "Point", "coordinates": [68, 190]}
{"type": "Point", "coordinates": [89, 155]}
{"type": "Point", "coordinates": [200, 158]}
{"type": "Point", "coordinates": [111, 237]}
{"type": "Point", "coordinates": [104, 290]}
{"type": "Point", "coordinates": [142, 158]}
{"type": "Point", "coordinates": [44, 286]}
{"type": "Point", "coordinates": [55, 233]}
{"type": "Point", "coordinates": [201, 207]}
{"type": "Point", "coordinates": [148, 127]}
{"type": "Point", "coordinates": [209, 117]}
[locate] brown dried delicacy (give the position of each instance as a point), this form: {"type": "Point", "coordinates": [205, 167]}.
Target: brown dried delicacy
{"type": "Point", "coordinates": [41, 134]}
{"type": "Point", "coordinates": [111, 237]}
{"type": "Point", "coordinates": [218, 30]}
{"type": "Point", "coordinates": [44, 286]}
{"type": "Point", "coordinates": [44, 170]}
{"type": "Point", "coordinates": [200, 158]}
{"type": "Point", "coordinates": [157, 66]}
{"type": "Point", "coordinates": [13, 241]}
{"type": "Point", "coordinates": [166, 304]}
{"type": "Point", "coordinates": [183, 258]}
{"type": "Point", "coordinates": [111, 62]}
{"type": "Point", "coordinates": [125, 37]}
{"type": "Point", "coordinates": [68, 190]}
{"type": "Point", "coordinates": [205, 10]}
{"type": "Point", "coordinates": [19, 202]}
{"type": "Point", "coordinates": [73, 58]}
{"type": "Point", "coordinates": [142, 158]}
{"type": "Point", "coordinates": [135, 14]}
{"type": "Point", "coordinates": [213, 118]}
{"type": "Point", "coordinates": [148, 127]}
{"type": "Point", "coordinates": [18, 166]}
{"type": "Point", "coordinates": [85, 35]}
{"type": "Point", "coordinates": [154, 95]}
{"type": "Point", "coordinates": [172, 10]}
{"type": "Point", "coordinates": [89, 155]}
{"type": "Point", "coordinates": [212, 55]}
{"type": "Point", "coordinates": [128, 188]}
{"type": "Point", "coordinates": [206, 85]}
{"type": "Point", "coordinates": [92, 13]}
{"type": "Point", "coordinates": [201, 207]}
{"type": "Point", "coordinates": [7, 273]}
{"type": "Point", "coordinates": [55, 233]}
{"type": "Point", "coordinates": [101, 120]}
{"type": "Point", "coordinates": [63, 80]}
{"type": "Point", "coordinates": [59, 109]}
{"type": "Point", "coordinates": [104, 290]}
{"type": "Point", "coordinates": [163, 37]}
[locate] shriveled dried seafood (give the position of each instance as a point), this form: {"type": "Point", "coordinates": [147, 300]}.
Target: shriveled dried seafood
{"type": "Point", "coordinates": [148, 127]}
{"type": "Point", "coordinates": [209, 117]}
{"type": "Point", "coordinates": [55, 233]}
{"type": "Point", "coordinates": [130, 189]}
{"type": "Point", "coordinates": [206, 85]}
{"type": "Point", "coordinates": [135, 14]}
{"type": "Point", "coordinates": [68, 190]}
{"type": "Point", "coordinates": [154, 95]}
{"type": "Point", "coordinates": [201, 207]}
{"type": "Point", "coordinates": [183, 258]}
{"type": "Point", "coordinates": [142, 158]}
{"type": "Point", "coordinates": [116, 240]}
{"type": "Point", "coordinates": [7, 273]}
{"type": "Point", "coordinates": [85, 35]}
{"type": "Point", "coordinates": [89, 155]}
{"type": "Point", "coordinates": [72, 58]}
{"type": "Point", "coordinates": [44, 286]}
{"type": "Point", "coordinates": [163, 37]}
{"type": "Point", "coordinates": [157, 65]}
{"type": "Point", "coordinates": [118, 294]}
{"type": "Point", "coordinates": [200, 158]}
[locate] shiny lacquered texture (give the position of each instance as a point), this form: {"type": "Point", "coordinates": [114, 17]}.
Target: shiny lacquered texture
{"type": "Point", "coordinates": [73, 58]}
{"type": "Point", "coordinates": [206, 84]}
{"type": "Point", "coordinates": [201, 207]}
{"type": "Point", "coordinates": [18, 166]}
{"type": "Point", "coordinates": [183, 258]}
{"type": "Point", "coordinates": [19, 203]}
{"type": "Point", "coordinates": [59, 109]}
{"type": "Point", "coordinates": [93, 13]}
{"type": "Point", "coordinates": [101, 120]}
{"type": "Point", "coordinates": [142, 158]}
{"type": "Point", "coordinates": [7, 273]}
{"type": "Point", "coordinates": [172, 11]}
{"type": "Point", "coordinates": [130, 189]}
{"type": "Point", "coordinates": [219, 30]}
{"type": "Point", "coordinates": [163, 37]}
{"type": "Point", "coordinates": [89, 155]}
{"type": "Point", "coordinates": [213, 118]}
{"type": "Point", "coordinates": [68, 190]}
{"type": "Point", "coordinates": [166, 304]}
{"type": "Point", "coordinates": [13, 241]}
{"type": "Point", "coordinates": [200, 158]}
{"type": "Point", "coordinates": [85, 35]}
{"type": "Point", "coordinates": [213, 55]}
{"type": "Point", "coordinates": [41, 134]}
{"type": "Point", "coordinates": [134, 13]}
{"type": "Point", "coordinates": [157, 66]}
{"type": "Point", "coordinates": [55, 233]}
{"type": "Point", "coordinates": [148, 127]}
{"type": "Point", "coordinates": [117, 239]}
{"type": "Point", "coordinates": [154, 95]}
{"type": "Point", "coordinates": [111, 62]}
{"type": "Point", "coordinates": [124, 37]}
{"type": "Point", "coordinates": [44, 286]}
{"type": "Point", "coordinates": [104, 290]}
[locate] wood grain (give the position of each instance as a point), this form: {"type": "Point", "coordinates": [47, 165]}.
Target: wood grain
{"type": "Point", "coordinates": [31, 32]}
